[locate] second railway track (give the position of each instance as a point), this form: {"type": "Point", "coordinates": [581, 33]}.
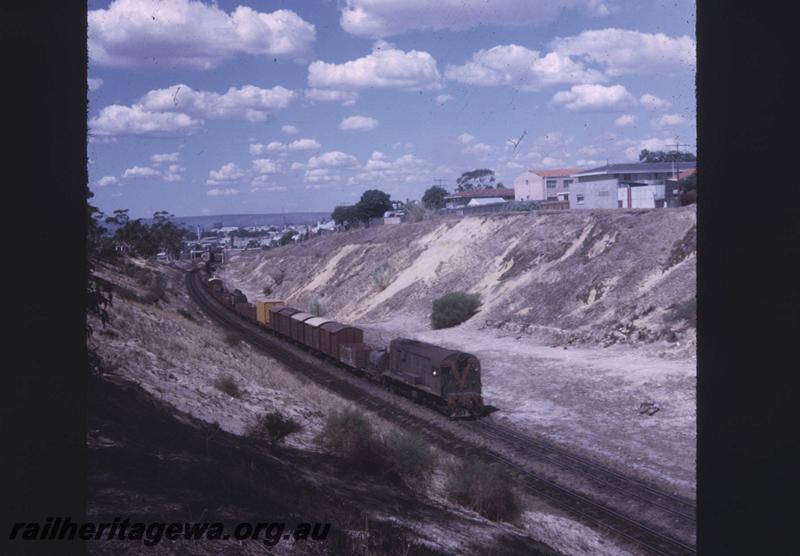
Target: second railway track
{"type": "Point", "coordinates": [648, 537]}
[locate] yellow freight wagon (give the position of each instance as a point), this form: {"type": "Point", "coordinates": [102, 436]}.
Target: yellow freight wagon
{"type": "Point", "coordinates": [262, 309]}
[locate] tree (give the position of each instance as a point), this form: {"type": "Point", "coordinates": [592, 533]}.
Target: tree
{"type": "Point", "coordinates": [98, 292]}
{"type": "Point", "coordinates": [373, 204]}
{"type": "Point", "coordinates": [287, 237]}
{"type": "Point", "coordinates": [434, 197]}
{"type": "Point", "coordinates": [476, 179]}
{"type": "Point", "coordinates": [688, 190]}
{"type": "Point", "coordinates": [166, 235]}
{"type": "Point", "coordinates": [662, 156]}
{"type": "Point", "coordinates": [344, 215]}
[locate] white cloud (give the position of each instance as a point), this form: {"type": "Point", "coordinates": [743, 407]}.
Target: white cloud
{"type": "Point", "coordinates": [265, 166]}
{"type": "Point", "coordinates": [249, 103]}
{"type": "Point", "coordinates": [582, 98]}
{"type": "Point", "coordinates": [227, 173]}
{"type": "Point", "coordinates": [653, 103]}
{"type": "Point", "coordinates": [382, 18]}
{"type": "Point", "coordinates": [139, 172]}
{"type": "Point", "coordinates": [358, 123]}
{"type": "Point", "coordinates": [297, 166]}
{"type": "Point", "coordinates": [443, 99]}
{"type": "Point", "coordinates": [669, 120]}
{"type": "Point", "coordinates": [218, 192]}
{"type": "Point", "coordinates": [384, 169]}
{"type": "Point", "coordinates": [516, 66]}
{"type": "Point", "coordinates": [277, 146]}
{"type": "Point", "coordinates": [165, 157]}
{"type": "Point", "coordinates": [186, 33]}
{"type": "Point", "coordinates": [480, 149]}
{"type": "Point", "coordinates": [624, 52]}
{"type": "Point", "coordinates": [321, 175]}
{"type": "Point", "coordinates": [332, 159]}
{"type": "Point", "coordinates": [174, 173]}
{"type": "Point", "coordinates": [466, 138]}
{"type": "Point", "coordinates": [290, 129]}
{"type": "Point", "coordinates": [385, 67]}
{"type": "Point", "coordinates": [552, 162]}
{"type": "Point", "coordinates": [625, 120]}
{"type": "Point", "coordinates": [135, 120]}
{"type": "Point", "coordinates": [347, 98]}
{"type": "Point", "coordinates": [107, 180]}
{"type": "Point", "coordinates": [94, 83]}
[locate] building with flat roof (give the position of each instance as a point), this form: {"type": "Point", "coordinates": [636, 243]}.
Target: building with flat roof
{"type": "Point", "coordinates": [462, 198]}
{"type": "Point", "coordinates": [544, 185]}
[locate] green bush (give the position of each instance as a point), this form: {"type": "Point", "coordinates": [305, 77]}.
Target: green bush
{"type": "Point", "coordinates": [454, 308]}
{"type": "Point", "coordinates": [411, 457]}
{"type": "Point", "coordinates": [483, 488]}
{"type": "Point", "coordinates": [232, 339]}
{"type": "Point", "coordinates": [316, 307]}
{"type": "Point", "coordinates": [686, 311]}
{"type": "Point", "coordinates": [349, 434]}
{"type": "Point", "coordinates": [226, 383]}
{"type": "Point", "coordinates": [383, 276]}
{"type": "Point", "coordinates": [186, 314]}
{"type": "Point", "coordinates": [274, 427]}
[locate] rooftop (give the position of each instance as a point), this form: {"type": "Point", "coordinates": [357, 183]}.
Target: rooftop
{"type": "Point", "coordinates": [499, 192]}
{"type": "Point", "coordinates": [557, 172]}
{"type": "Point", "coordinates": [637, 168]}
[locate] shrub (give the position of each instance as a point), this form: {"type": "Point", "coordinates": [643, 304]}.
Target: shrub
{"type": "Point", "coordinates": [274, 427]}
{"type": "Point", "coordinates": [685, 311]}
{"type": "Point", "coordinates": [411, 457]}
{"type": "Point", "coordinates": [454, 308]}
{"type": "Point", "coordinates": [315, 307]}
{"type": "Point", "coordinates": [383, 276]}
{"type": "Point", "coordinates": [232, 339]}
{"type": "Point", "coordinates": [483, 488]}
{"type": "Point", "coordinates": [186, 314]}
{"type": "Point", "coordinates": [267, 290]}
{"type": "Point", "coordinates": [226, 383]}
{"type": "Point", "coordinates": [417, 212]}
{"type": "Point", "coordinates": [127, 293]}
{"type": "Point", "coordinates": [349, 434]}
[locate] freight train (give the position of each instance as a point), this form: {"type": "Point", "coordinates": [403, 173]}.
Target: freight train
{"type": "Point", "coordinates": [444, 379]}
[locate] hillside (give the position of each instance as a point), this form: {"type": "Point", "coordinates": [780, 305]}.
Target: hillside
{"type": "Point", "coordinates": [599, 277]}
{"type": "Point", "coordinates": [587, 317]}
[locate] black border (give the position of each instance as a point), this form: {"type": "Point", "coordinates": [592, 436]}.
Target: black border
{"type": "Point", "coordinates": [748, 236]}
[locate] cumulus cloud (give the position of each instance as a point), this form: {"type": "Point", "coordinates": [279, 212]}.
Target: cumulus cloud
{"type": "Point", "coordinates": [625, 120]}
{"type": "Point", "coordinates": [385, 67]}
{"type": "Point", "coordinates": [188, 33]}
{"type": "Point", "coordinates": [333, 159]}
{"type": "Point", "coordinates": [265, 166]}
{"type": "Point", "coordinates": [140, 172]}
{"type": "Point", "coordinates": [444, 99]}
{"type": "Point", "coordinates": [218, 192]}
{"type": "Point", "coordinates": [277, 146]}
{"type": "Point", "coordinates": [358, 123]}
{"type": "Point", "coordinates": [383, 168]}
{"type": "Point", "coordinates": [465, 138]}
{"type": "Point", "coordinates": [321, 175]}
{"type": "Point", "coordinates": [290, 129]}
{"type": "Point", "coordinates": [249, 103]}
{"type": "Point", "coordinates": [174, 173]}
{"type": "Point", "coordinates": [347, 98]}
{"type": "Point", "coordinates": [670, 120]}
{"type": "Point", "coordinates": [653, 103]}
{"type": "Point", "coordinates": [517, 66]}
{"type": "Point", "coordinates": [107, 180]}
{"type": "Point", "coordinates": [135, 120]}
{"type": "Point", "coordinates": [480, 149]}
{"type": "Point", "coordinates": [382, 18]}
{"type": "Point", "coordinates": [165, 157]}
{"type": "Point", "coordinates": [94, 83]}
{"type": "Point", "coordinates": [624, 52]}
{"type": "Point", "coordinates": [227, 173]}
{"type": "Point", "coordinates": [586, 98]}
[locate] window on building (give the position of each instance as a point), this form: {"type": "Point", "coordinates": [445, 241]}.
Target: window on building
{"type": "Point", "coordinates": [552, 198]}
{"type": "Point", "coordinates": [567, 183]}
{"type": "Point", "coordinates": [626, 177]}
{"type": "Point", "coordinates": [551, 184]}
{"type": "Point", "coordinates": [579, 199]}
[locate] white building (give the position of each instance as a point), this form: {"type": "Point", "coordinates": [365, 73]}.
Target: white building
{"type": "Point", "coordinates": [544, 185]}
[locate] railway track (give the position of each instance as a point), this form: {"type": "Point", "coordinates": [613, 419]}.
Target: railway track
{"type": "Point", "coordinates": [644, 536]}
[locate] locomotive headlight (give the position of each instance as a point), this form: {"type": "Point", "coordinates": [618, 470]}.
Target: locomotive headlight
{"type": "Point", "coordinates": [434, 373]}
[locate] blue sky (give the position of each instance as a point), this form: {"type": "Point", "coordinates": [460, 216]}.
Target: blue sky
{"type": "Point", "coordinates": [257, 107]}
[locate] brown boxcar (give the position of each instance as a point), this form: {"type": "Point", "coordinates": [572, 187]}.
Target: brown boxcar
{"type": "Point", "coordinates": [263, 307]}
{"type": "Point", "coordinates": [333, 334]}
{"type": "Point", "coordinates": [280, 317]}
{"type": "Point", "coordinates": [297, 330]}
{"type": "Point", "coordinates": [355, 355]}
{"type": "Point", "coordinates": [215, 285]}
{"type": "Point", "coordinates": [238, 297]}
{"type": "Point", "coordinates": [247, 310]}
{"type": "Point", "coordinates": [311, 338]}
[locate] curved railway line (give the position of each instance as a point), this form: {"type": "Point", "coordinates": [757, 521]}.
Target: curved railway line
{"type": "Point", "coordinates": [645, 536]}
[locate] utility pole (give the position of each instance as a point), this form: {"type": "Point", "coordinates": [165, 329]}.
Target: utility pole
{"type": "Point", "coordinates": [678, 157]}
{"type": "Point", "coordinates": [440, 181]}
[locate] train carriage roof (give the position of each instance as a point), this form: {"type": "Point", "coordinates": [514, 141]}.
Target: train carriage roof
{"type": "Point", "coordinates": [435, 353]}
{"type": "Point", "coordinates": [333, 327]}
{"type": "Point", "coordinates": [317, 321]}
{"type": "Point", "coordinates": [302, 316]}
{"type": "Point", "coordinates": [288, 311]}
